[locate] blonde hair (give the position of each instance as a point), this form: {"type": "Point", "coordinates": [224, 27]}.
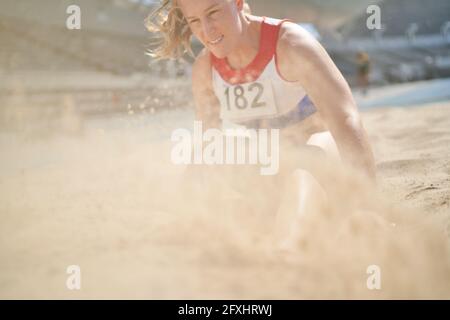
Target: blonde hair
{"type": "Point", "coordinates": [174, 34]}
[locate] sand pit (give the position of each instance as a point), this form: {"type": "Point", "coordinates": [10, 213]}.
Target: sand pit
{"type": "Point", "coordinates": [102, 194]}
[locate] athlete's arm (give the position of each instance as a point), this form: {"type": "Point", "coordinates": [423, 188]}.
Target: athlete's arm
{"type": "Point", "coordinates": [207, 106]}
{"type": "Point", "coordinates": [302, 58]}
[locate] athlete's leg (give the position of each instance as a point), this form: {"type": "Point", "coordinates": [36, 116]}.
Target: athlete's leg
{"type": "Point", "coordinates": [303, 195]}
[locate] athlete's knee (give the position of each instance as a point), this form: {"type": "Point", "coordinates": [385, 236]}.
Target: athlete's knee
{"type": "Point", "coordinates": [311, 194]}
{"type": "Point", "coordinates": [305, 179]}
{"type": "Point", "coordinates": [326, 142]}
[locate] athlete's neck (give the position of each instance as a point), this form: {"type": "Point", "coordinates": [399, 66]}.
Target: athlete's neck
{"type": "Point", "coordinates": [248, 45]}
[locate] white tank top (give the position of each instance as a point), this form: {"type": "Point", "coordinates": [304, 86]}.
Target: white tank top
{"type": "Point", "coordinates": [257, 96]}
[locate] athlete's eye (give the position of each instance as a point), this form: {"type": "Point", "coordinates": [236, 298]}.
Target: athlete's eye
{"type": "Point", "coordinates": [213, 13]}
{"type": "Point", "coordinates": [193, 21]}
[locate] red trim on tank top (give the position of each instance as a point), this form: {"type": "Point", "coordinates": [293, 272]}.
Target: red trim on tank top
{"type": "Point", "coordinates": [267, 50]}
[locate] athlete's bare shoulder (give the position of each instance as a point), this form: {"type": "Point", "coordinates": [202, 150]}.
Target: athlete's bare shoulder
{"type": "Point", "coordinates": [294, 33]}
{"type": "Point", "coordinates": [296, 46]}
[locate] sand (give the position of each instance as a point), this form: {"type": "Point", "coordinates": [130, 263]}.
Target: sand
{"type": "Point", "coordinates": [102, 194]}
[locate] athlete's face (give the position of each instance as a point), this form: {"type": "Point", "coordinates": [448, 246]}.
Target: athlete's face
{"type": "Point", "coordinates": [216, 23]}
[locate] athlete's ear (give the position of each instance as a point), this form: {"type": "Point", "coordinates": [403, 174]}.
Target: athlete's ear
{"type": "Point", "coordinates": [240, 4]}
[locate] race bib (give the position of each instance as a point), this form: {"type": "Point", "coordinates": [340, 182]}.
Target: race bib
{"type": "Point", "coordinates": [247, 100]}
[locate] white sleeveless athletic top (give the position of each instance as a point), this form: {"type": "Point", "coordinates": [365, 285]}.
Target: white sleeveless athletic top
{"type": "Point", "coordinates": [257, 96]}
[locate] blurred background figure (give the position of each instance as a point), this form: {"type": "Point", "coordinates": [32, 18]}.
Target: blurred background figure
{"type": "Point", "coordinates": [363, 70]}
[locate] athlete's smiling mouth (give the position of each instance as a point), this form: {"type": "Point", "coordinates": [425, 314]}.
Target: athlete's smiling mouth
{"type": "Point", "coordinates": [216, 41]}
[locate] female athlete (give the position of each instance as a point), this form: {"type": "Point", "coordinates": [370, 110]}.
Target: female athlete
{"type": "Point", "coordinates": [261, 72]}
